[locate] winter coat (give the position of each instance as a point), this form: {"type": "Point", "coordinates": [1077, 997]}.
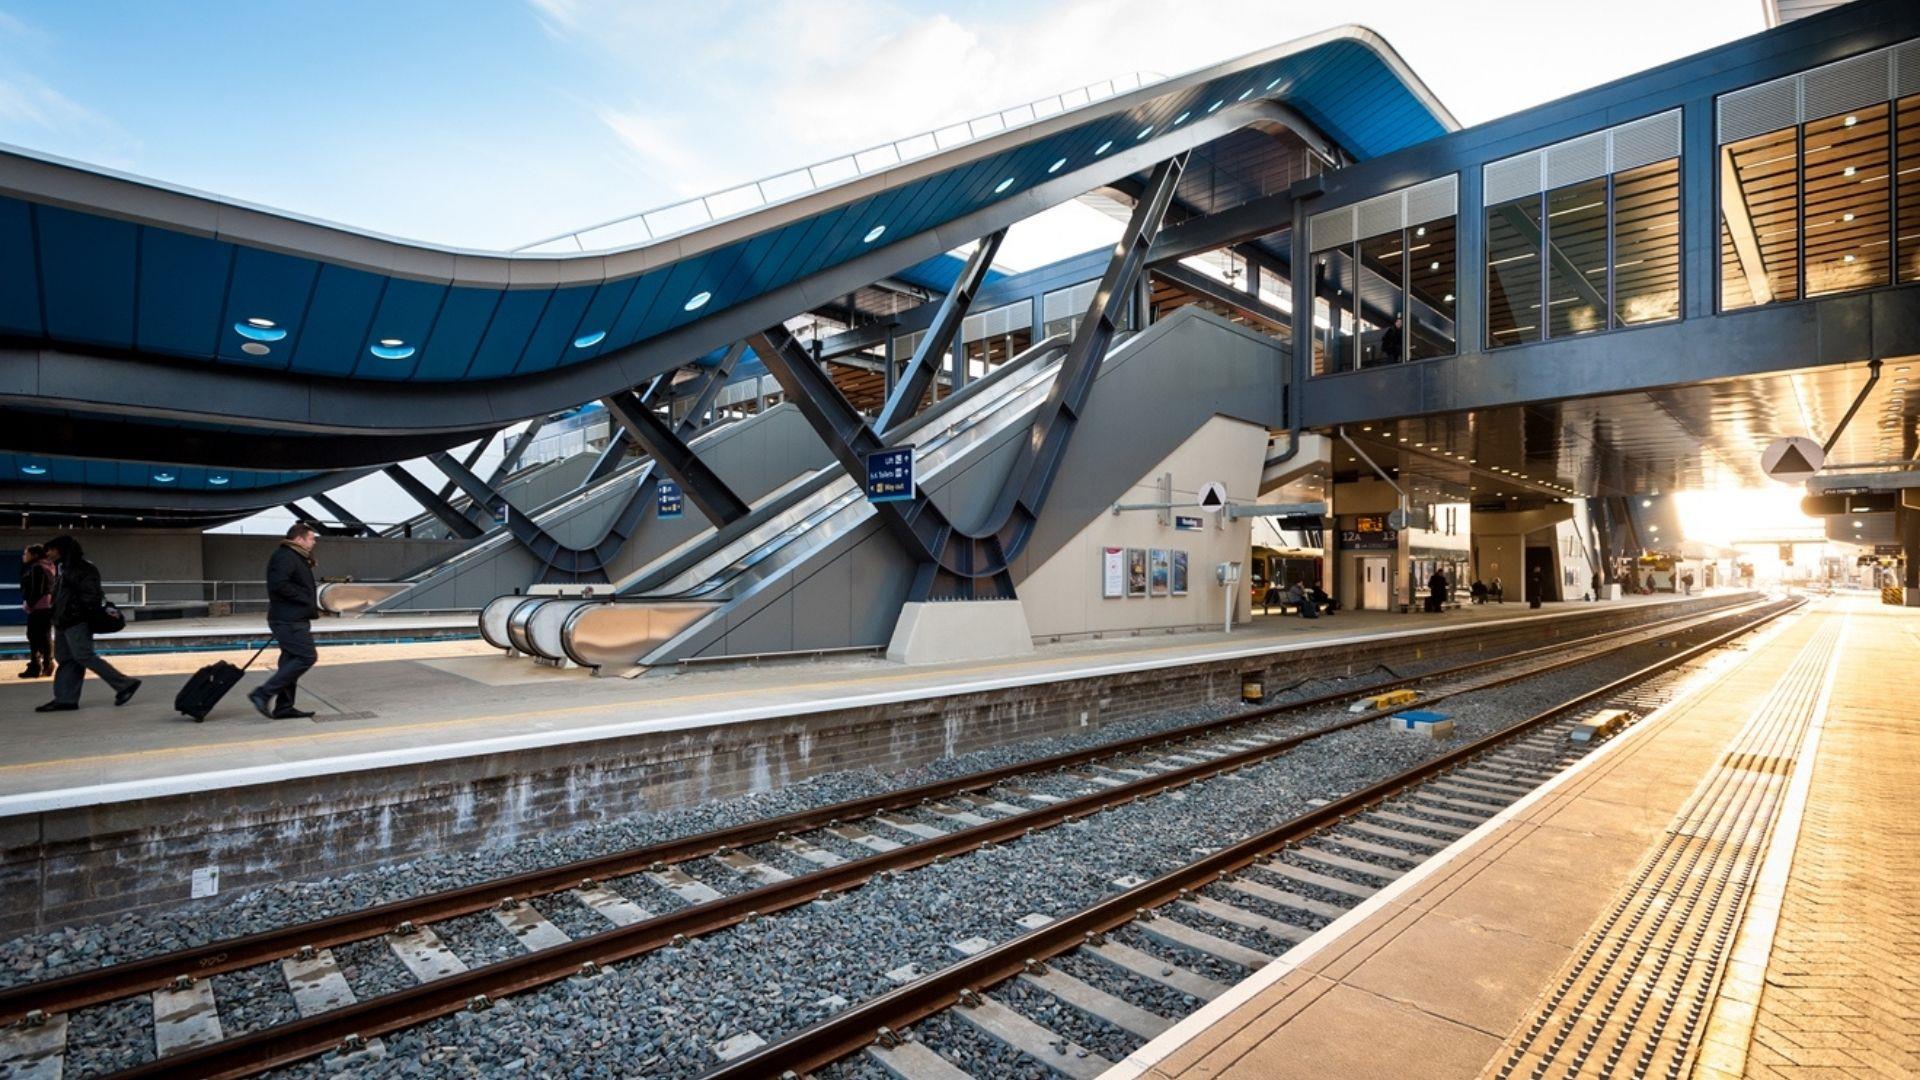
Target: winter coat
{"type": "Point", "coordinates": [291, 593]}
{"type": "Point", "coordinates": [77, 594]}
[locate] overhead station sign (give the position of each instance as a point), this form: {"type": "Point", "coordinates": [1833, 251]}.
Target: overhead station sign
{"type": "Point", "coordinates": [1793, 460]}
{"type": "Point", "coordinates": [890, 475]}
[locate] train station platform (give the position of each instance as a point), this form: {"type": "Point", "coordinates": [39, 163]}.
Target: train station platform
{"type": "Point", "coordinates": [428, 744]}
{"type": "Point", "coordinates": [1724, 890]}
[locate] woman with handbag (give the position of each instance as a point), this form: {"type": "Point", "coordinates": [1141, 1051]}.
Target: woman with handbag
{"type": "Point", "coordinates": [80, 609]}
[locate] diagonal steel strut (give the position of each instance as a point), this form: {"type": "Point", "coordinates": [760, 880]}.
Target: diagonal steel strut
{"type": "Point", "coordinates": [938, 339]}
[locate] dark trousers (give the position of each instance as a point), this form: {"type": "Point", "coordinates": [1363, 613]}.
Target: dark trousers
{"type": "Point", "coordinates": [73, 648]}
{"type": "Point", "coordinates": [40, 638]}
{"type": "Point", "coordinates": [296, 656]}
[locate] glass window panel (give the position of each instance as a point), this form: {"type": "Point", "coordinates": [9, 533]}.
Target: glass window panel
{"type": "Point", "coordinates": [1848, 203]}
{"type": "Point", "coordinates": [1577, 259]}
{"type": "Point", "coordinates": [1513, 272]}
{"type": "Point", "coordinates": [1334, 334]}
{"type": "Point", "coordinates": [1760, 220]}
{"type": "Point", "coordinates": [1907, 195]}
{"type": "Point", "coordinates": [1646, 243]}
{"type": "Point", "coordinates": [1432, 278]}
{"type": "Point", "coordinates": [1383, 285]}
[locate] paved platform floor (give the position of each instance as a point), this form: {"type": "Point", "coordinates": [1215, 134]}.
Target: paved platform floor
{"type": "Point", "coordinates": [431, 700]}
{"type": "Point", "coordinates": [1728, 889]}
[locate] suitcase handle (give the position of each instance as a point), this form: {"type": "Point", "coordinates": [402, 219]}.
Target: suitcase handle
{"type": "Point", "coordinates": [256, 655]}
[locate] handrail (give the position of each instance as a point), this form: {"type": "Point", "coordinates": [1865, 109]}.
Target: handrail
{"type": "Point", "coordinates": [673, 219]}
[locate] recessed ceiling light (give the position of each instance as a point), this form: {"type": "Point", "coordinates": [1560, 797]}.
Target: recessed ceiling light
{"type": "Point", "coordinates": [34, 470]}
{"type": "Point", "coordinates": [588, 341]}
{"type": "Point", "coordinates": [217, 481]}
{"type": "Point", "coordinates": [1851, 120]}
{"type": "Point", "coordinates": [1846, 217]}
{"type": "Point", "coordinates": [873, 234]}
{"type": "Point", "coordinates": [258, 333]}
{"type": "Point", "coordinates": [164, 477]}
{"type": "Point", "coordinates": [264, 324]}
{"type": "Point", "coordinates": [1245, 94]}
{"type": "Point", "coordinates": [1421, 231]}
{"type": "Point", "coordinates": [1848, 171]}
{"type": "Point", "coordinates": [1447, 298]}
{"type": "Point", "coordinates": [1181, 119]}
{"type": "Point", "coordinates": [1003, 185]}
{"type": "Point", "coordinates": [392, 342]}
{"type": "Point", "coordinates": [254, 348]}
{"type": "Point", "coordinates": [697, 301]}
{"type": "Point", "coordinates": [1848, 258]}
{"type": "Point", "coordinates": [1056, 166]}
{"type": "Point", "coordinates": [1104, 147]}
{"type": "Point", "coordinates": [1216, 105]}
{"type": "Point", "coordinates": [1275, 82]}
{"type": "Point", "coordinates": [1433, 266]}
{"type": "Point", "coordinates": [1144, 132]}
{"type": "Point", "coordinates": [399, 350]}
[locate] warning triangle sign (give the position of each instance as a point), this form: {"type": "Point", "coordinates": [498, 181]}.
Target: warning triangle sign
{"type": "Point", "coordinates": [1213, 497]}
{"type": "Point", "coordinates": [1792, 461]}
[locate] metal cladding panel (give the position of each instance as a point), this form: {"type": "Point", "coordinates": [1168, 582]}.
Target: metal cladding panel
{"type": "Point", "coordinates": [60, 471]}
{"type": "Point", "coordinates": [1849, 84]}
{"type": "Point", "coordinates": [337, 319]}
{"type": "Point", "coordinates": [1433, 200]}
{"type": "Point", "coordinates": [1514, 178]}
{"type": "Point", "coordinates": [1577, 160]}
{"type": "Point", "coordinates": [506, 338]}
{"type": "Point", "coordinates": [553, 337]}
{"type": "Point", "coordinates": [266, 285]}
{"type": "Point", "coordinates": [1332, 229]}
{"type": "Point", "coordinates": [599, 316]}
{"type": "Point", "coordinates": [406, 314]}
{"type": "Point", "coordinates": [1382, 214]}
{"type": "Point", "coordinates": [1759, 109]}
{"type": "Point", "coordinates": [182, 286]}
{"type": "Point", "coordinates": [19, 278]}
{"type": "Point", "coordinates": [87, 274]}
{"type": "Point", "coordinates": [1906, 69]}
{"type": "Point", "coordinates": [462, 322]}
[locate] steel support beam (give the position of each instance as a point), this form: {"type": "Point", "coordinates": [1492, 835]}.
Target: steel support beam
{"type": "Point", "coordinates": [342, 515]}
{"type": "Point", "coordinates": [673, 456]}
{"type": "Point", "coordinates": [716, 380]}
{"type": "Point", "coordinates": [473, 455]}
{"type": "Point", "coordinates": [912, 383]}
{"type": "Point", "coordinates": [617, 439]}
{"type": "Point", "coordinates": [1251, 220]}
{"type": "Point", "coordinates": [517, 450]}
{"type": "Point", "coordinates": [953, 564]}
{"type": "Point", "coordinates": [322, 527]}
{"type": "Point", "coordinates": [456, 522]}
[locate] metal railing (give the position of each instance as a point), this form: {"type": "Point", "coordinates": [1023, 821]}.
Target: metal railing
{"type": "Point", "coordinates": [649, 226]}
{"type": "Point", "coordinates": [235, 595]}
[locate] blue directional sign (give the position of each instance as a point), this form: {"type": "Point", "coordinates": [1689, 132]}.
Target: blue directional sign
{"type": "Point", "coordinates": [668, 501]}
{"type": "Point", "coordinates": [890, 475]}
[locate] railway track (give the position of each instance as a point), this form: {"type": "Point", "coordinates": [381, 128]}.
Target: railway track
{"type": "Point", "coordinates": [741, 873]}
{"type": "Point", "coordinates": [1274, 888]}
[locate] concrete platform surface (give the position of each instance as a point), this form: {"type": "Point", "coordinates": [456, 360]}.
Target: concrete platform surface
{"type": "Point", "coordinates": [403, 704]}
{"type": "Point", "coordinates": [1725, 890]}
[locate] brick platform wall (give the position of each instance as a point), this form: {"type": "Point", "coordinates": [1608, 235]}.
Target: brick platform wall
{"type": "Point", "coordinates": [62, 867]}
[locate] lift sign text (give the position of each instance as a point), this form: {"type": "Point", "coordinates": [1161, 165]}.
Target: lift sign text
{"type": "Point", "coordinates": [890, 475]}
{"type": "Point", "coordinates": [668, 502]}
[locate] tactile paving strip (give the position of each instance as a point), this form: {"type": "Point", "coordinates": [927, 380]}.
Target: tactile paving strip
{"type": "Point", "coordinates": [1631, 1001]}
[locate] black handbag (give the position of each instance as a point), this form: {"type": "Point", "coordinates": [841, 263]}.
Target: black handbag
{"type": "Point", "coordinates": [107, 619]}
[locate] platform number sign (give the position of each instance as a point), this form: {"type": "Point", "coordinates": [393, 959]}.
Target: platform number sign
{"type": "Point", "coordinates": [890, 475]}
{"type": "Point", "coordinates": [669, 502]}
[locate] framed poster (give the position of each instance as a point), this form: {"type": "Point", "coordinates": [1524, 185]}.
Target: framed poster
{"type": "Point", "coordinates": [1159, 572]}
{"type": "Point", "coordinates": [1136, 571]}
{"type": "Point", "coordinates": [1113, 572]}
{"type": "Point", "coordinates": [1179, 573]}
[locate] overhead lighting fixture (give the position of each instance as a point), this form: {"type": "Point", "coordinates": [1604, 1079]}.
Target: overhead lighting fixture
{"type": "Point", "coordinates": [1848, 258]}
{"type": "Point", "coordinates": [1181, 119]}
{"type": "Point", "coordinates": [1056, 166]}
{"type": "Point", "coordinates": [1851, 120]}
{"type": "Point", "coordinates": [588, 341]}
{"type": "Point", "coordinates": [1104, 147]}
{"type": "Point", "coordinates": [257, 321]}
{"type": "Point", "coordinates": [391, 349]}
{"type": "Point", "coordinates": [217, 480]}
{"type": "Point", "coordinates": [1245, 94]}
{"type": "Point", "coordinates": [1216, 105]}
{"type": "Point", "coordinates": [34, 470]}
{"type": "Point", "coordinates": [164, 477]}
{"type": "Point", "coordinates": [873, 234]}
{"type": "Point", "coordinates": [254, 348]}
{"type": "Point", "coordinates": [1144, 132]}
{"type": "Point", "coordinates": [1003, 185]}
{"type": "Point", "coordinates": [1433, 266]}
{"type": "Point", "coordinates": [1846, 217]}
{"type": "Point", "coordinates": [251, 332]}
{"type": "Point", "coordinates": [697, 301]}
{"type": "Point", "coordinates": [1447, 298]}
{"type": "Point", "coordinates": [1848, 171]}
{"type": "Point", "coordinates": [1421, 231]}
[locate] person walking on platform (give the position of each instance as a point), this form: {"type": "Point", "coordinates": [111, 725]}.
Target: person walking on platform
{"type": "Point", "coordinates": [37, 576]}
{"type": "Point", "coordinates": [1437, 592]}
{"type": "Point", "coordinates": [293, 601]}
{"type": "Point", "coordinates": [78, 599]}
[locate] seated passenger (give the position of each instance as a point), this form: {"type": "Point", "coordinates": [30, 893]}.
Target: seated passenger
{"type": "Point", "coordinates": [1321, 600]}
{"type": "Point", "coordinates": [1479, 591]}
{"type": "Point", "coordinates": [1297, 596]}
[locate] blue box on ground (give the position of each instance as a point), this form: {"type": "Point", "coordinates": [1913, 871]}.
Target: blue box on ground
{"type": "Point", "coordinates": [1422, 722]}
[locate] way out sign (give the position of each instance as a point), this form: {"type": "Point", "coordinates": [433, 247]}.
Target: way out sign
{"type": "Point", "coordinates": [1793, 459]}
{"type": "Point", "coordinates": [890, 475]}
{"type": "Point", "coordinates": [668, 502]}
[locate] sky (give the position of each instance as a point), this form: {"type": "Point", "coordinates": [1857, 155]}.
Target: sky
{"type": "Point", "coordinates": [494, 123]}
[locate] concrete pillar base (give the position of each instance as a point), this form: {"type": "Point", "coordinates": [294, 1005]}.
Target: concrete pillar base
{"type": "Point", "coordinates": [933, 633]}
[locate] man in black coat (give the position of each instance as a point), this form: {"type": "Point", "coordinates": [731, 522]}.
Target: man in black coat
{"type": "Point", "coordinates": [77, 599]}
{"type": "Point", "coordinates": [293, 600]}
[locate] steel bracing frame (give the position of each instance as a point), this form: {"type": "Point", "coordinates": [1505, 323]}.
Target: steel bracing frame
{"type": "Point", "coordinates": [462, 525]}
{"type": "Point", "coordinates": [473, 455]}
{"type": "Point", "coordinates": [516, 450]}
{"type": "Point", "coordinates": [671, 455]}
{"type": "Point", "coordinates": [911, 385]}
{"type": "Point", "coordinates": [324, 528]}
{"type": "Point", "coordinates": [957, 564]}
{"type": "Point", "coordinates": [343, 515]}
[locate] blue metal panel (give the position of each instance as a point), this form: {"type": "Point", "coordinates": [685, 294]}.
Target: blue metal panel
{"type": "Point", "coordinates": [19, 274]}
{"type": "Point", "coordinates": [183, 284]}
{"type": "Point", "coordinates": [406, 314]}
{"type": "Point", "coordinates": [62, 471]}
{"type": "Point", "coordinates": [553, 338]}
{"type": "Point", "coordinates": [456, 333]}
{"type": "Point", "coordinates": [599, 318]}
{"type": "Point", "coordinates": [266, 285]}
{"type": "Point", "coordinates": [513, 323]}
{"type": "Point", "coordinates": [633, 314]}
{"type": "Point", "coordinates": [87, 271]}
{"type": "Point", "coordinates": [337, 321]}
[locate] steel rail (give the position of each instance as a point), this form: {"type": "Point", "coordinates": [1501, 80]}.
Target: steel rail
{"type": "Point", "coordinates": [851, 1030]}
{"type": "Point", "coordinates": [81, 989]}
{"type": "Point", "coordinates": [245, 1055]}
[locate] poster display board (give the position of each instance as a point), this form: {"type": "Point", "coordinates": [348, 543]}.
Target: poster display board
{"type": "Point", "coordinates": [1113, 573]}
{"type": "Point", "coordinates": [1159, 572]}
{"type": "Point", "coordinates": [1136, 571]}
{"type": "Point", "coordinates": [1179, 573]}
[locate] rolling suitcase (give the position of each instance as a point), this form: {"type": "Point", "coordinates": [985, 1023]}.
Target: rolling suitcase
{"type": "Point", "coordinates": [211, 683]}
